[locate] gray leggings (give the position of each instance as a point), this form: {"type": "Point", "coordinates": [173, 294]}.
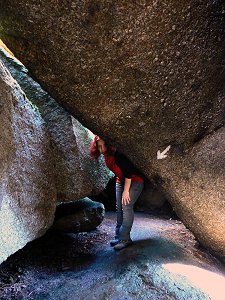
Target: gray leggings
{"type": "Point", "coordinates": [125, 213]}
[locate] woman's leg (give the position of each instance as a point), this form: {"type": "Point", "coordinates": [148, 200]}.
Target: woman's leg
{"type": "Point", "coordinates": [128, 211]}
{"type": "Point", "coordinates": [119, 211]}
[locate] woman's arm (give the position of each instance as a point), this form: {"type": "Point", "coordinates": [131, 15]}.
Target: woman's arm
{"type": "Point", "coordinates": [126, 191]}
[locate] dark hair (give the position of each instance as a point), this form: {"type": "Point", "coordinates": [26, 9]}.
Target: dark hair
{"type": "Point", "coordinates": [93, 149]}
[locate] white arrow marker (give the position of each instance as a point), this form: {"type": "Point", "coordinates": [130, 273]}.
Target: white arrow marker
{"type": "Point", "coordinates": [163, 154]}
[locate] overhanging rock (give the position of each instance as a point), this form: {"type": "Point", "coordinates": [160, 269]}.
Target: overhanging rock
{"type": "Point", "coordinates": [76, 174]}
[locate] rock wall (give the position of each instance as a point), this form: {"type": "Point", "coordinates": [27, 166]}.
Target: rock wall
{"type": "Point", "coordinates": [27, 186]}
{"type": "Point", "coordinates": [76, 174]}
{"type": "Point", "coordinates": [197, 184]}
{"type": "Point", "coordinates": [144, 75]}
{"type": "Point", "coordinates": [38, 137]}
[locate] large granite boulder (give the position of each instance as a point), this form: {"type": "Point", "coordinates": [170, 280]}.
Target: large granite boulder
{"type": "Point", "coordinates": [78, 216]}
{"type": "Point", "coordinates": [76, 174]}
{"type": "Point", "coordinates": [196, 181]}
{"type": "Point", "coordinates": [144, 75]}
{"type": "Point", "coordinates": [27, 187]}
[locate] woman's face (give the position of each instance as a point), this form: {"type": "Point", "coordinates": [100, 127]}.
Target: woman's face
{"type": "Point", "coordinates": [101, 146]}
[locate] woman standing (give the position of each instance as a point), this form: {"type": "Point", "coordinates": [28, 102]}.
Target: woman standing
{"type": "Point", "coordinates": [129, 185]}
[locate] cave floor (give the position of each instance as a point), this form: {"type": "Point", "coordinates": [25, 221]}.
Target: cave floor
{"type": "Point", "coordinates": [164, 262]}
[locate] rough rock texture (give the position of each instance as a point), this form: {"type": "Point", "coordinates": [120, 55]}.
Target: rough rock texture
{"type": "Point", "coordinates": [146, 75]}
{"type": "Point", "coordinates": [196, 182]}
{"type": "Point", "coordinates": [27, 188]}
{"type": "Point", "coordinates": [79, 216]}
{"type": "Point", "coordinates": [76, 174]}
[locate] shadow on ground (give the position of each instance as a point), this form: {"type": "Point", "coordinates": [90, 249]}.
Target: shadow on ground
{"type": "Point", "coordinates": [164, 262]}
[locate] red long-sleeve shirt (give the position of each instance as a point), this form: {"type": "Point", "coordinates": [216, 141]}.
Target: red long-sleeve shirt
{"type": "Point", "coordinates": [122, 167]}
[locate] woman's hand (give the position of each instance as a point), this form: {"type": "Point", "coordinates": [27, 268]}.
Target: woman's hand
{"type": "Point", "coordinates": [125, 198]}
{"type": "Point", "coordinates": [126, 194]}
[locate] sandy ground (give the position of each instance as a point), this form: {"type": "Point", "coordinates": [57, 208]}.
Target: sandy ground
{"type": "Point", "coordinates": [165, 262]}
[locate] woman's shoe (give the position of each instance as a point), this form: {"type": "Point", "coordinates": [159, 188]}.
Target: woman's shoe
{"type": "Point", "coordinates": [122, 244]}
{"type": "Point", "coordinates": [114, 242]}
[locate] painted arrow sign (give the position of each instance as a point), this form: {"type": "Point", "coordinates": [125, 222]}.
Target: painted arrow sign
{"type": "Point", "coordinates": [163, 154]}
